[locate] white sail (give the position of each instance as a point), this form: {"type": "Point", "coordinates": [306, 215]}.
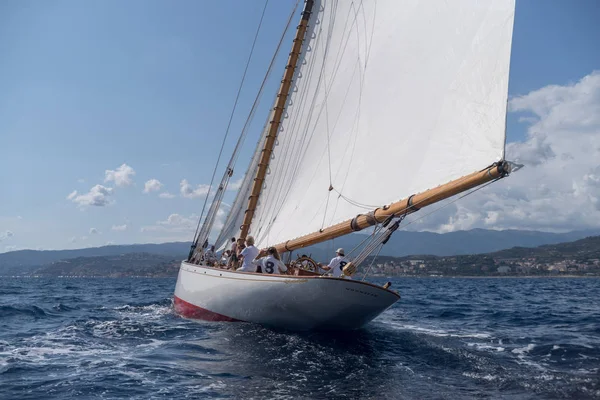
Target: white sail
{"type": "Point", "coordinates": [391, 98]}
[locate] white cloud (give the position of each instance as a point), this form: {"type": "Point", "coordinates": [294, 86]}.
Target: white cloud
{"type": "Point", "coordinates": [559, 188]}
{"type": "Point", "coordinates": [176, 220]}
{"type": "Point", "coordinates": [166, 195]}
{"type": "Point", "coordinates": [122, 176]}
{"type": "Point", "coordinates": [235, 185]}
{"type": "Point", "coordinates": [189, 192]}
{"type": "Point", "coordinates": [181, 228]}
{"type": "Point", "coordinates": [94, 231]}
{"type": "Point", "coordinates": [11, 248]}
{"type": "Point", "coordinates": [73, 239]}
{"type": "Point", "coordinates": [6, 235]}
{"type": "Point", "coordinates": [97, 196]}
{"type": "Point", "coordinates": [153, 185]}
{"type": "Point", "coordinates": [175, 223]}
{"type": "Point", "coordinates": [109, 243]}
{"type": "Point", "coordinates": [81, 180]}
{"type": "Point", "coordinates": [119, 227]}
{"type": "Point", "coordinates": [84, 238]}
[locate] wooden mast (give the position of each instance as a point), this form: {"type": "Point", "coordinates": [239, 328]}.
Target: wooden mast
{"type": "Point", "coordinates": [402, 207]}
{"type": "Point", "coordinates": [278, 110]}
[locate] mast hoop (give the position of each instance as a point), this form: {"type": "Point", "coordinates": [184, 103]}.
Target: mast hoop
{"type": "Point", "coordinates": [370, 216]}
{"type": "Point", "coordinates": [411, 206]}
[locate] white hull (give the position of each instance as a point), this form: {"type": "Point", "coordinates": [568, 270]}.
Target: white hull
{"type": "Point", "coordinates": [282, 301]}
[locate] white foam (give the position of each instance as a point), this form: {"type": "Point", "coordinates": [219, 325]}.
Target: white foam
{"type": "Point", "coordinates": [207, 388]}
{"type": "Point", "coordinates": [522, 353]}
{"type": "Point", "coordinates": [154, 343]}
{"type": "Point", "coordinates": [487, 377]}
{"type": "Point", "coordinates": [154, 311]}
{"type": "Point", "coordinates": [137, 376]}
{"type": "Point", "coordinates": [523, 350]}
{"type": "Point", "coordinates": [485, 347]}
{"type": "Point", "coordinates": [439, 332]}
{"type": "Point", "coordinates": [42, 351]}
{"type": "Point", "coordinates": [545, 377]}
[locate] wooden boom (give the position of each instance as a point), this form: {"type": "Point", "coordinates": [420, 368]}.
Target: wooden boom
{"type": "Point", "coordinates": [278, 110]}
{"type": "Point", "coordinates": [402, 207]}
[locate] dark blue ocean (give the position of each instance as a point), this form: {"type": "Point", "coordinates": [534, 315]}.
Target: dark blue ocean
{"type": "Point", "coordinates": [446, 339]}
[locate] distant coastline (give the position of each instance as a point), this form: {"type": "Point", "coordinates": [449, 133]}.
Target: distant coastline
{"type": "Point", "coordinates": [578, 259]}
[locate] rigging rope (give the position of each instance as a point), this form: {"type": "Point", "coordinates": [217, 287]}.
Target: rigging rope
{"type": "Point", "coordinates": [268, 73]}
{"type": "Point", "coordinates": [249, 120]}
{"type": "Point", "coordinates": [210, 218]}
{"type": "Point", "coordinates": [230, 119]}
{"type": "Point", "coordinates": [372, 262]}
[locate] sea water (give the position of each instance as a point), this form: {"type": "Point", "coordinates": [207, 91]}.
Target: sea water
{"type": "Point", "coordinates": [445, 339]}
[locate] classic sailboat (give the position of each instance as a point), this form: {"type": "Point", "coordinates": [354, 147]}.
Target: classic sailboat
{"type": "Point", "coordinates": [385, 107]}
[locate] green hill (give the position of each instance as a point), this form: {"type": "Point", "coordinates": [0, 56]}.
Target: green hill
{"type": "Point", "coordinates": [581, 257]}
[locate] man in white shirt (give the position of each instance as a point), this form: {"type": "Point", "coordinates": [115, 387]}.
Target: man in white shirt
{"type": "Point", "coordinates": [336, 265]}
{"type": "Point", "coordinates": [248, 255]}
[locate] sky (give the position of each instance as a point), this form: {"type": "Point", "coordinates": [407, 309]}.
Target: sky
{"type": "Point", "coordinates": [112, 115]}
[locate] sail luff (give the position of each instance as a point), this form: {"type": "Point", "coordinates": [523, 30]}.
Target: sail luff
{"type": "Point", "coordinates": [397, 209]}
{"type": "Point", "coordinates": [278, 110]}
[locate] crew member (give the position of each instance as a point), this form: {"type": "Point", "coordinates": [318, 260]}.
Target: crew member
{"type": "Point", "coordinates": [336, 265]}
{"type": "Point", "coordinates": [248, 255]}
{"type": "Point", "coordinates": [271, 264]}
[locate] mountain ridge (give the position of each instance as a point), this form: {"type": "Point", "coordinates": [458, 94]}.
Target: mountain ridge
{"type": "Point", "coordinates": [580, 257]}
{"type": "Point", "coordinates": [402, 243]}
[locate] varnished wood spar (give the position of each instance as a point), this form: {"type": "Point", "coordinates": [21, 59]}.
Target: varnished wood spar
{"type": "Point", "coordinates": [399, 208]}
{"type": "Point", "coordinates": [278, 110]}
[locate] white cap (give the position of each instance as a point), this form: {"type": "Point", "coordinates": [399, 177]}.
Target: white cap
{"type": "Point", "coordinates": [340, 251]}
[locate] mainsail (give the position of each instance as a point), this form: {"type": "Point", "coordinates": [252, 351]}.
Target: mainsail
{"type": "Point", "coordinates": [391, 98]}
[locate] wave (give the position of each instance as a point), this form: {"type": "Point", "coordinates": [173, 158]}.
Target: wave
{"type": "Point", "coordinates": [63, 307]}
{"type": "Point", "coordinates": [25, 310]}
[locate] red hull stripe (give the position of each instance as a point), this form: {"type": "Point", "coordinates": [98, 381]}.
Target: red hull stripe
{"type": "Point", "coordinates": [189, 310]}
